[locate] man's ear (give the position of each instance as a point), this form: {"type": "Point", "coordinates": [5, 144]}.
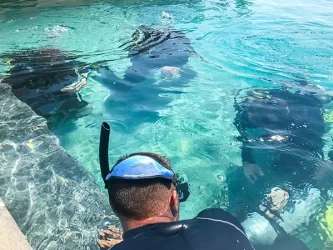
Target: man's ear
{"type": "Point", "coordinates": [174, 204]}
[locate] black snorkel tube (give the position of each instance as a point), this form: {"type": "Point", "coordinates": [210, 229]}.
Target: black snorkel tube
{"type": "Point", "coordinates": [104, 151]}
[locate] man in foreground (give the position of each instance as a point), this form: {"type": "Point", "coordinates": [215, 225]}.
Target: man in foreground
{"type": "Point", "coordinates": [144, 194]}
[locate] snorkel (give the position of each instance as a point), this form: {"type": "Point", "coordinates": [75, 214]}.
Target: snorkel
{"type": "Point", "coordinates": [104, 151]}
{"type": "Point", "coordinates": [136, 167]}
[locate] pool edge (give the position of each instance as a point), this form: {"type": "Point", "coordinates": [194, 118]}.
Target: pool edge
{"type": "Point", "coordinates": [54, 201]}
{"type": "Point", "coordinates": [11, 237]}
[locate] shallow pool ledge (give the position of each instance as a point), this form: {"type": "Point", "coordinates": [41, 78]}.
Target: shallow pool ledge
{"type": "Point", "coordinates": [11, 236]}
{"type": "Point", "coordinates": [55, 202]}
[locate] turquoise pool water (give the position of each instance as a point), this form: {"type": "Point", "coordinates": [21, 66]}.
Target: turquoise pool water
{"type": "Point", "coordinates": [238, 44]}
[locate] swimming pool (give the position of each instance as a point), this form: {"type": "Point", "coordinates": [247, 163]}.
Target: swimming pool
{"type": "Point", "coordinates": [238, 44]}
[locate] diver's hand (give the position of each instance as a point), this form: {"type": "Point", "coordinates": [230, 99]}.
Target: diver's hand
{"type": "Point", "coordinates": [109, 237]}
{"type": "Point", "coordinates": [252, 172]}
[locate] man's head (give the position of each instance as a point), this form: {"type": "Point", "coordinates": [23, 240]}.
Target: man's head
{"type": "Point", "coordinates": [146, 199]}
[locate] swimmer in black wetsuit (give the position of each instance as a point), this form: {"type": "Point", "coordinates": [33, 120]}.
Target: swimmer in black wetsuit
{"type": "Point", "coordinates": [159, 70]}
{"type": "Point", "coordinates": [145, 194]}
{"type": "Point", "coordinates": [49, 81]}
{"type": "Point", "coordinates": [150, 50]}
{"type": "Point", "coordinates": [281, 131]}
{"type": "Point", "coordinates": [292, 121]}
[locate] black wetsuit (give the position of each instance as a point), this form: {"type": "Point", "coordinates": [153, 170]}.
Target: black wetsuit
{"type": "Point", "coordinates": [153, 49]}
{"type": "Point", "coordinates": [149, 50]}
{"type": "Point", "coordinates": [282, 132]}
{"type": "Point", "coordinates": [297, 119]}
{"type": "Point", "coordinates": [287, 128]}
{"type": "Point", "coordinates": [38, 77]}
{"type": "Point", "coordinates": [211, 229]}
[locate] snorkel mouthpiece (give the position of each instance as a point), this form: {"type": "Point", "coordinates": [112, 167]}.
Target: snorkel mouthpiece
{"type": "Point", "coordinates": [104, 151]}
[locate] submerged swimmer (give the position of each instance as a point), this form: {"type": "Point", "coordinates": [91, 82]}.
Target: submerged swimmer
{"type": "Point", "coordinates": [281, 131]}
{"type": "Point", "coordinates": [49, 81]}
{"type": "Point", "coordinates": [150, 50]}
{"type": "Point", "coordinates": [158, 70]}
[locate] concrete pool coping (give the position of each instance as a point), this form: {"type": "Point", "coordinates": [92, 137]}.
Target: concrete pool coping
{"type": "Point", "coordinates": [11, 236]}
{"type": "Point", "coordinates": [55, 201]}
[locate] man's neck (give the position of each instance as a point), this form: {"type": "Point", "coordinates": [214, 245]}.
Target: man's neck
{"type": "Point", "coordinates": [133, 224]}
